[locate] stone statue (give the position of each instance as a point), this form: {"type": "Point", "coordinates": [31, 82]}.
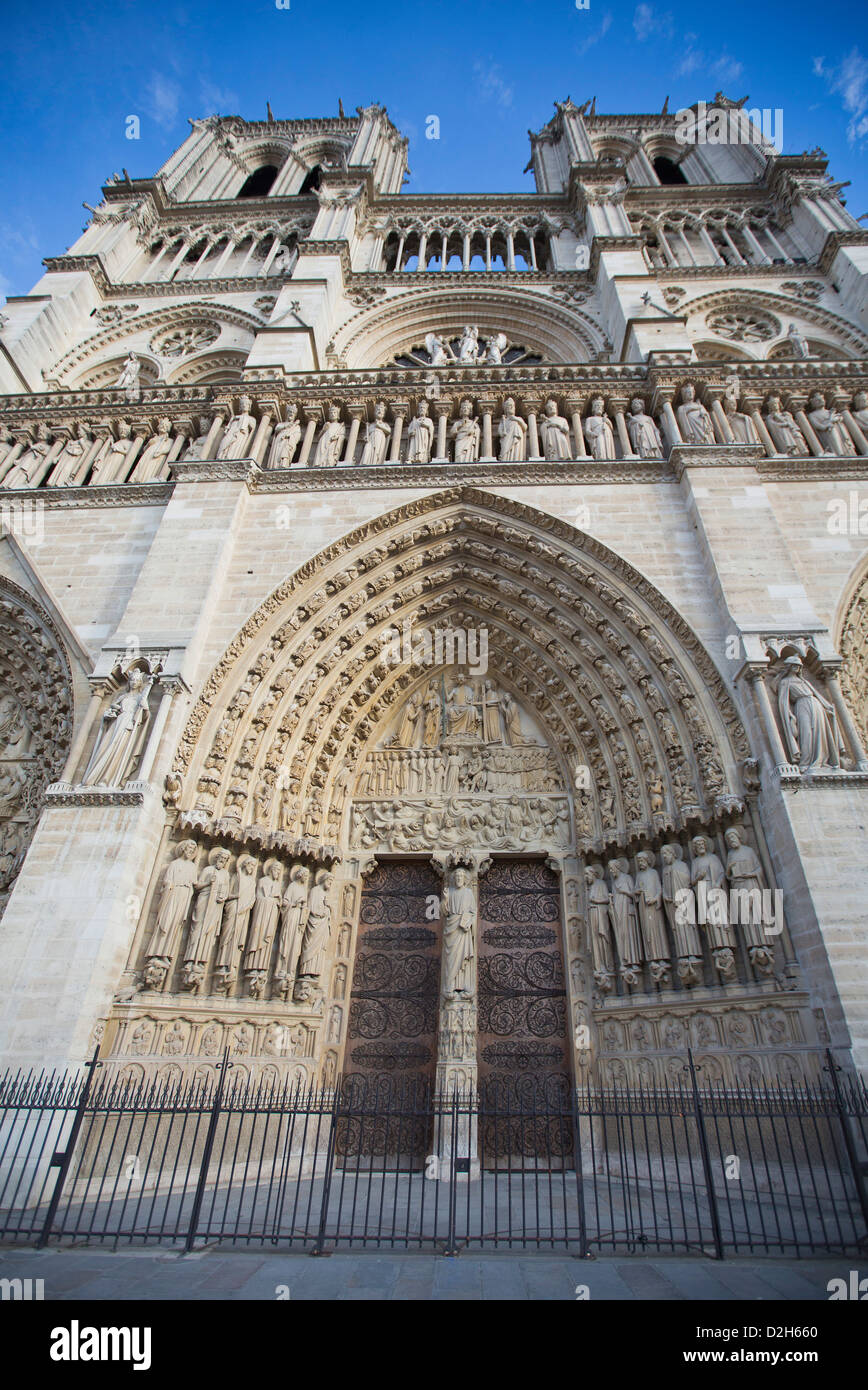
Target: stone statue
{"type": "Point", "coordinates": [263, 924]}
{"type": "Point", "coordinates": [491, 730]}
{"type": "Point", "coordinates": [431, 735]}
{"type": "Point", "coordinates": [694, 420]}
{"type": "Point", "coordinates": [128, 381]}
{"type": "Point", "coordinates": [680, 905]}
{"type": "Point", "coordinates": [625, 924]}
{"type": "Point", "coordinates": [468, 346]}
{"type": "Point", "coordinates": [744, 871]}
{"type": "Point", "coordinates": [176, 894]}
{"type": "Point", "coordinates": [151, 465]}
{"type": "Point", "coordinates": [420, 435]}
{"type": "Point", "coordinates": [598, 432]}
{"type": "Point", "coordinates": [465, 432]}
{"type": "Point", "coordinates": [317, 928]}
{"type": "Point", "coordinates": [29, 464]}
{"type": "Point", "coordinates": [238, 433]}
{"type": "Point", "coordinates": [285, 440]}
{"type": "Point", "coordinates": [236, 916]}
{"type": "Point", "coordinates": [66, 471]}
{"type": "Point", "coordinates": [291, 920]}
{"type": "Point", "coordinates": [742, 426]}
{"type": "Point", "coordinates": [459, 925]}
{"type": "Point", "coordinates": [331, 440]}
{"type": "Point", "coordinates": [212, 890]}
{"type": "Point", "coordinates": [809, 723]}
{"type": "Point", "coordinates": [196, 449]}
{"type": "Point", "coordinates": [644, 435]}
{"type": "Point", "coordinates": [554, 433]}
{"type": "Point", "coordinates": [436, 350]}
{"type": "Point", "coordinates": [495, 350]}
{"type": "Point", "coordinates": [512, 721]}
{"type": "Point", "coordinates": [829, 427]}
{"type": "Point", "coordinates": [122, 733]}
{"type": "Point", "coordinates": [512, 432]}
{"type": "Point", "coordinates": [798, 342]}
{"type": "Point", "coordinates": [708, 878]}
{"type": "Point", "coordinates": [13, 782]}
{"type": "Point", "coordinates": [376, 438]}
{"type": "Point", "coordinates": [786, 435]}
{"type": "Point", "coordinates": [649, 891]}
{"type": "Point", "coordinates": [409, 726]}
{"type": "Point", "coordinates": [860, 410]}
{"type": "Point", "coordinates": [598, 928]}
{"type": "Point", "coordinates": [110, 462]}
{"type": "Point", "coordinates": [462, 716]}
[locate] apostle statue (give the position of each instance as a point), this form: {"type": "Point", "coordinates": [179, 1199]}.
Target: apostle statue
{"type": "Point", "coordinates": [745, 874]}
{"type": "Point", "coordinates": [512, 432]}
{"type": "Point", "coordinates": [212, 889]}
{"type": "Point", "coordinates": [644, 435]}
{"type": "Point", "coordinates": [680, 905]}
{"type": "Point", "coordinates": [598, 432]}
{"type": "Point", "coordinates": [625, 923]}
{"type": "Point", "coordinates": [554, 433]}
{"type": "Point", "coordinates": [263, 924]}
{"type": "Point", "coordinates": [598, 927]}
{"type": "Point", "coordinates": [742, 426]}
{"type": "Point", "coordinates": [238, 433]}
{"type": "Point", "coordinates": [176, 894]}
{"type": "Point", "coordinates": [285, 440]}
{"type": "Point", "coordinates": [420, 435]}
{"type": "Point", "coordinates": [649, 891]}
{"type": "Point", "coordinates": [152, 464]}
{"type": "Point", "coordinates": [236, 916]}
{"type": "Point", "coordinates": [694, 421]}
{"type": "Point", "coordinates": [377, 434]}
{"type": "Point", "coordinates": [786, 435]}
{"type": "Point", "coordinates": [317, 927]}
{"type": "Point", "coordinates": [121, 734]}
{"type": "Point", "coordinates": [829, 427]}
{"type": "Point", "coordinates": [708, 879]}
{"type": "Point", "coordinates": [465, 432]}
{"type": "Point", "coordinates": [291, 920]}
{"type": "Point", "coordinates": [809, 723]}
{"type": "Point", "coordinates": [459, 949]}
{"type": "Point", "coordinates": [128, 381]}
{"type": "Point", "coordinates": [331, 440]}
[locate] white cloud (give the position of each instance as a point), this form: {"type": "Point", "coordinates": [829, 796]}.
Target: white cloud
{"type": "Point", "coordinates": [850, 81]}
{"type": "Point", "coordinates": [216, 100]}
{"type": "Point", "coordinates": [595, 37]}
{"type": "Point", "coordinates": [725, 68]}
{"type": "Point", "coordinates": [646, 21]}
{"type": "Point", "coordinates": [492, 87]}
{"type": "Point", "coordinates": [162, 98]}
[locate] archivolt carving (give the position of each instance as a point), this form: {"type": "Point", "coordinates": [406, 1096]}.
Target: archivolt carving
{"type": "Point", "coordinates": [35, 721]}
{"type": "Point", "coordinates": [853, 646]}
{"type": "Point", "coordinates": [619, 683]}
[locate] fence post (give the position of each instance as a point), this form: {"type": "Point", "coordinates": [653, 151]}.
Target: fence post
{"type": "Point", "coordinates": [706, 1160]}
{"type": "Point", "coordinates": [223, 1068]}
{"type": "Point", "coordinates": [62, 1160]}
{"type": "Point", "coordinates": [319, 1246]}
{"type": "Point", "coordinates": [859, 1169]}
{"type": "Point", "coordinates": [453, 1176]}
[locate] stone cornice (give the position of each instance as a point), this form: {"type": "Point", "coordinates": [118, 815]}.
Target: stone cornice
{"type": "Point", "coordinates": [111, 495]}
{"type": "Point", "coordinates": [714, 456]}
{"type": "Point", "coordinates": [530, 474]}
{"type": "Point", "coordinates": [807, 470]}
{"type": "Point", "coordinates": [160, 289]}
{"type": "Point", "coordinates": [835, 241]}
{"type": "Point", "coordinates": [66, 794]}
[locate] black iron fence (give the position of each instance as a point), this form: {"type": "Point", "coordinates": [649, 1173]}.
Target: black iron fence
{"type": "Point", "coordinates": [775, 1169]}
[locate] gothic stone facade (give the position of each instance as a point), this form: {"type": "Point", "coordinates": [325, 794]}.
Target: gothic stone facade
{"type": "Point", "coordinates": [435, 629]}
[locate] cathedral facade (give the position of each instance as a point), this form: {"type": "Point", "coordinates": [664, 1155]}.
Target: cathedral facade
{"type": "Point", "coordinates": [435, 628]}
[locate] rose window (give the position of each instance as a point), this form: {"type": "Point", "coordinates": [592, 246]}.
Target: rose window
{"type": "Point", "coordinates": [742, 327]}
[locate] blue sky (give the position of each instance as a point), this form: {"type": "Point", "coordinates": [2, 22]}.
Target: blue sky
{"type": "Point", "coordinates": [489, 70]}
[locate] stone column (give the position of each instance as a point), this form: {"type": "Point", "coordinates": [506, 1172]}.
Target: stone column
{"type": "Point", "coordinates": [856, 434]}
{"type": "Point", "coordinates": [487, 455]}
{"type": "Point", "coordinates": [574, 406]}
{"type": "Point", "coordinates": [215, 430]}
{"type": "Point", "coordinates": [532, 409]}
{"type": "Point", "coordinates": [851, 733]}
{"type": "Point", "coordinates": [618, 407]}
{"type": "Point", "coordinates": [719, 416]}
{"type": "Point", "coordinates": [99, 691]}
{"type": "Point", "coordinates": [756, 676]}
{"type": "Point", "coordinates": [262, 431]}
{"type": "Point", "coordinates": [807, 429]}
{"type": "Point", "coordinates": [357, 413]}
{"type": "Point", "coordinates": [312, 415]}
{"type": "Point", "coordinates": [400, 410]}
{"type": "Point", "coordinates": [442, 410]}
{"type": "Point", "coordinates": [751, 405]}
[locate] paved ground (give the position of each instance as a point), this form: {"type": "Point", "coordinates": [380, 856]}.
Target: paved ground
{"type": "Point", "coordinates": [91, 1274]}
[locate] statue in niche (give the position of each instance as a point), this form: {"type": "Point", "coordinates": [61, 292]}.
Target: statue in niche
{"type": "Point", "coordinates": [29, 464]}
{"type": "Point", "coordinates": [829, 427]}
{"type": "Point", "coordinates": [598, 432]}
{"type": "Point", "coordinates": [436, 350]}
{"type": "Point", "coordinates": [196, 449]}
{"type": "Point", "coordinates": [459, 925]}
{"type": "Point", "coordinates": [512, 432]}
{"type": "Point", "coordinates": [809, 723]}
{"type": "Point", "coordinates": [649, 893]}
{"type": "Point", "coordinates": [331, 440]}
{"type": "Point", "coordinates": [708, 879]}
{"type": "Point", "coordinates": [742, 426]}
{"type": "Point", "coordinates": [128, 381]}
{"type": "Point", "coordinates": [291, 919]}
{"type": "Point", "coordinates": [236, 916]}
{"type": "Point", "coordinates": [625, 922]}
{"type": "Point", "coordinates": [554, 433]}
{"type": "Point", "coordinates": [491, 703]}
{"type": "Point", "coordinates": [377, 434]}
{"type": "Point", "coordinates": [176, 894]}
{"type": "Point", "coordinates": [238, 433]}
{"type": "Point", "coordinates": [694, 421]}
{"type": "Point", "coordinates": [786, 435]}
{"type": "Point", "coordinates": [317, 928]}
{"type": "Point", "coordinates": [860, 410]}
{"type": "Point", "coordinates": [285, 440]}
{"type": "Point", "coordinates": [152, 463]}
{"type": "Point", "coordinates": [744, 871]}
{"type": "Point", "coordinates": [68, 466]}
{"type": "Point", "coordinates": [466, 434]}
{"type": "Point", "coordinates": [598, 926]}
{"type": "Point", "coordinates": [122, 732]}
{"type": "Point", "coordinates": [110, 462]}
{"type": "Point", "coordinates": [468, 346]}
{"type": "Point", "coordinates": [495, 350]}
{"type": "Point", "coordinates": [433, 721]}
{"type": "Point", "coordinates": [212, 889]}
{"type": "Point", "coordinates": [420, 435]}
{"type": "Point", "coordinates": [263, 923]}
{"type": "Point", "coordinates": [462, 714]}
{"type": "Point", "coordinates": [644, 435]}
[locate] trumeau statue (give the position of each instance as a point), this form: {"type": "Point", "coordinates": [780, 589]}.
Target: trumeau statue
{"type": "Point", "coordinates": [331, 440]}
{"type": "Point", "coordinates": [285, 441]}
{"type": "Point", "coordinates": [238, 433]}
{"type": "Point", "coordinates": [420, 435]}
{"type": "Point", "coordinates": [742, 426]}
{"type": "Point", "coordinates": [809, 723]}
{"type": "Point", "coordinates": [786, 435]}
{"type": "Point", "coordinates": [598, 432]}
{"type": "Point", "coordinates": [459, 949]}
{"type": "Point", "coordinates": [644, 434]}
{"type": "Point", "coordinates": [465, 431]}
{"type": "Point", "coordinates": [377, 434]}
{"type": "Point", "coordinates": [829, 427]}
{"type": "Point", "coordinates": [512, 432]}
{"type": "Point", "coordinates": [554, 433]}
{"type": "Point", "coordinates": [122, 733]}
{"type": "Point", "coordinates": [694, 420]}
{"type": "Point", "coordinates": [128, 381]}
